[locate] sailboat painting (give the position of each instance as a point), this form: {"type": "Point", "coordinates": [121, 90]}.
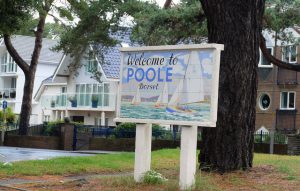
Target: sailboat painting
{"type": "Point", "coordinates": [170, 85]}
{"type": "Point", "coordinates": [137, 98]}
{"type": "Point", "coordinates": [189, 89]}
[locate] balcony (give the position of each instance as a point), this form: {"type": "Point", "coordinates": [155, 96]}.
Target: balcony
{"type": "Point", "coordinates": [80, 101]}
{"type": "Point", "coordinates": [8, 93]}
{"type": "Point", "coordinates": [8, 69]}
{"type": "Point", "coordinates": [286, 77]}
{"type": "Point", "coordinates": [286, 121]}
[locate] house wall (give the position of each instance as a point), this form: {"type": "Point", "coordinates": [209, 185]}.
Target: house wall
{"type": "Point", "coordinates": [267, 83]}
{"type": "Point", "coordinates": [78, 77]}
{"type": "Point", "coordinates": [44, 70]}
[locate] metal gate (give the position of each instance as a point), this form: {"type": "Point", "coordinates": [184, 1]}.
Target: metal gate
{"type": "Point", "coordinates": [81, 137]}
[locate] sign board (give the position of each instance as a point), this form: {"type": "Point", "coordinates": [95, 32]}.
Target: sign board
{"type": "Point", "coordinates": [169, 84]}
{"type": "Point", "coordinates": [4, 104]}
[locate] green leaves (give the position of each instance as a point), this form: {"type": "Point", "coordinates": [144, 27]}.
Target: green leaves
{"type": "Point", "coordinates": [183, 23]}
{"type": "Point", "coordinates": [13, 14]}
{"type": "Point", "coordinates": [282, 14]}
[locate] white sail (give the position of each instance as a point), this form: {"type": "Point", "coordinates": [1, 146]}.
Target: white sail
{"type": "Point", "coordinates": [190, 88]}
{"type": "Point", "coordinates": [176, 95]}
{"type": "Point", "coordinates": [163, 97]}
{"type": "Point", "coordinates": [137, 98]}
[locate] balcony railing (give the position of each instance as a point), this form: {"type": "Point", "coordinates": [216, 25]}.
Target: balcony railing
{"type": "Point", "coordinates": [286, 121]}
{"type": "Point", "coordinates": [286, 77]}
{"type": "Point", "coordinates": [80, 101]}
{"type": "Point", "coordinates": [8, 93]}
{"type": "Point", "coordinates": [10, 68]}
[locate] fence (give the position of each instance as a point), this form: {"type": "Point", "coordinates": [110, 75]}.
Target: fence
{"type": "Point", "coordinates": [111, 132]}
{"type": "Point", "coordinates": [38, 130]}
{"type": "Point", "coordinates": [264, 137]}
{"type": "Point", "coordinates": [53, 129]}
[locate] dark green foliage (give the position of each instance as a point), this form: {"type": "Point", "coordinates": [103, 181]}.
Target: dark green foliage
{"type": "Point", "coordinates": [97, 20]}
{"type": "Point", "coordinates": [13, 15]}
{"type": "Point", "coordinates": [127, 130]}
{"type": "Point", "coordinates": [52, 128]}
{"type": "Point", "coordinates": [282, 14]}
{"type": "Point", "coordinates": [183, 23]}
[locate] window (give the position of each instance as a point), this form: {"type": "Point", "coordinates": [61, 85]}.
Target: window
{"type": "Point", "coordinates": [264, 101]}
{"type": "Point", "coordinates": [85, 91]}
{"type": "Point", "coordinates": [289, 54]}
{"type": "Point", "coordinates": [263, 62]}
{"type": "Point", "coordinates": [61, 100]}
{"type": "Point", "coordinates": [13, 83]}
{"type": "Point", "coordinates": [46, 118]}
{"type": "Point", "coordinates": [287, 100]}
{"type": "Point", "coordinates": [64, 89]}
{"type": "Point", "coordinates": [91, 65]}
{"type": "Point", "coordinates": [7, 64]}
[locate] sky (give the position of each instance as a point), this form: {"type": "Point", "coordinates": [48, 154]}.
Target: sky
{"type": "Point", "coordinates": [62, 2]}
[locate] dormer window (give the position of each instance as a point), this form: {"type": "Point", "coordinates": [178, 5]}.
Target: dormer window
{"type": "Point", "coordinates": [289, 54]}
{"type": "Point", "coordinates": [7, 64]}
{"type": "Point", "coordinates": [263, 62]}
{"type": "Point", "coordinates": [91, 65]}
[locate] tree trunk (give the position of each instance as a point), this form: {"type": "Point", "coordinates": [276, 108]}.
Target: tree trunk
{"type": "Point", "coordinates": [237, 25]}
{"type": "Point", "coordinates": [26, 103]}
{"type": "Point", "coordinates": [29, 72]}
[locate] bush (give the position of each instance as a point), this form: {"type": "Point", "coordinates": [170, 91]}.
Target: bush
{"type": "Point", "coordinates": [157, 131]}
{"type": "Point", "coordinates": [125, 130]}
{"type": "Point", "coordinates": [52, 128]}
{"type": "Point", "coordinates": [10, 116]}
{"type": "Point", "coordinates": [152, 177]}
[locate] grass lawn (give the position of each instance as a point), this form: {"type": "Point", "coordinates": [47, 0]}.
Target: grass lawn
{"type": "Point", "coordinates": [270, 172]}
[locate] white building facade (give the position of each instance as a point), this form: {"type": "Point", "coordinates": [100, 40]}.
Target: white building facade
{"type": "Point", "coordinates": [12, 77]}
{"type": "Point", "coordinates": [77, 94]}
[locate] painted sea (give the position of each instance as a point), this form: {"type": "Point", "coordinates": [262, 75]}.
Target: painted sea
{"type": "Point", "coordinates": [147, 110]}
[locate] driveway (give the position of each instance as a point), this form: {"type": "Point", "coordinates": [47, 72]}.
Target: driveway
{"type": "Point", "coordinates": [12, 154]}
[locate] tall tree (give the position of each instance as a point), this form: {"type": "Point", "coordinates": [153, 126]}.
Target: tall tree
{"type": "Point", "coordinates": [237, 25]}
{"type": "Point", "coordinates": [51, 30]}
{"type": "Point", "coordinates": [14, 15]}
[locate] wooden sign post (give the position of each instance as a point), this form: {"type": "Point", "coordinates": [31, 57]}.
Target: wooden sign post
{"type": "Point", "coordinates": [188, 156]}
{"type": "Point", "coordinates": [173, 85]}
{"type": "Point", "coordinates": [142, 159]}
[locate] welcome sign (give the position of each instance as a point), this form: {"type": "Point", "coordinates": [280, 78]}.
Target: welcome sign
{"type": "Point", "coordinates": [170, 84]}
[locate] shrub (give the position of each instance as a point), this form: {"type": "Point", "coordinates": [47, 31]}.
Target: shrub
{"type": "Point", "coordinates": [52, 128]}
{"type": "Point", "coordinates": [10, 116]}
{"type": "Point", "coordinates": [125, 130]}
{"type": "Point", "coordinates": [152, 177]}
{"type": "Point", "coordinates": [157, 131]}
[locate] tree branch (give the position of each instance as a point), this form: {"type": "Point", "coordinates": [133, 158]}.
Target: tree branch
{"type": "Point", "coordinates": [167, 4]}
{"type": "Point", "coordinates": [15, 55]}
{"type": "Point", "coordinates": [38, 42]}
{"type": "Point", "coordinates": [58, 19]}
{"type": "Point", "coordinates": [275, 61]}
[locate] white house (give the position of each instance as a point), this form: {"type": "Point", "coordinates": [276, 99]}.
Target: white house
{"type": "Point", "coordinates": [12, 77]}
{"type": "Point", "coordinates": [77, 95]}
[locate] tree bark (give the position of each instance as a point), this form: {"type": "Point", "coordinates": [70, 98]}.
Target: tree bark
{"type": "Point", "coordinates": [29, 72]}
{"type": "Point", "coordinates": [273, 59]}
{"type": "Point", "coordinates": [236, 24]}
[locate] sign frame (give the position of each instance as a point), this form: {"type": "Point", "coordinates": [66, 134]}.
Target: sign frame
{"type": "Point", "coordinates": [214, 89]}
